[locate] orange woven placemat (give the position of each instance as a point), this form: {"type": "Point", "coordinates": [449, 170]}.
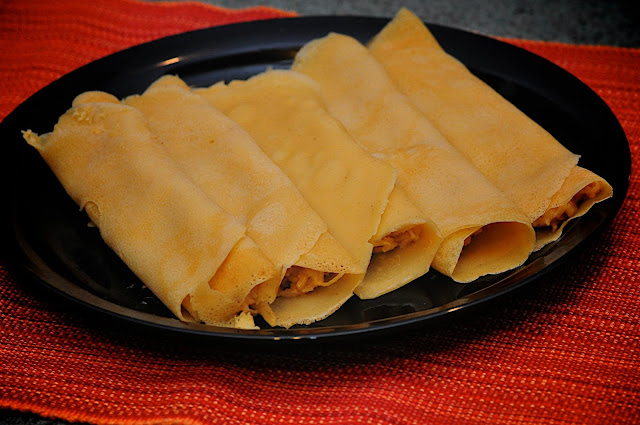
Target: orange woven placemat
{"type": "Point", "coordinates": [563, 351]}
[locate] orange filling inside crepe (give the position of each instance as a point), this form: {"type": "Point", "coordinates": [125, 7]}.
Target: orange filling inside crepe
{"type": "Point", "coordinates": [554, 217]}
{"type": "Point", "coordinates": [399, 238]}
{"type": "Point", "coordinates": [299, 280]}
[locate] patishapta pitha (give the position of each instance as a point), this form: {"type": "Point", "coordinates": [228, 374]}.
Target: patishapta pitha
{"type": "Point", "coordinates": [516, 154]}
{"type": "Point", "coordinates": [193, 255]}
{"type": "Point", "coordinates": [350, 190]}
{"type": "Point", "coordinates": [225, 162]}
{"type": "Point", "coordinates": [484, 231]}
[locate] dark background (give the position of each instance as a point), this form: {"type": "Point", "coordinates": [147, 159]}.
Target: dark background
{"type": "Point", "coordinates": [569, 21]}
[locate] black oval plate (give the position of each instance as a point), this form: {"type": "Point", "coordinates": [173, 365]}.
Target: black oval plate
{"type": "Point", "coordinates": [49, 237]}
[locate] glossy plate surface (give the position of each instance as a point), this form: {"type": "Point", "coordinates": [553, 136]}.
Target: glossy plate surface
{"type": "Point", "coordinates": [49, 238]}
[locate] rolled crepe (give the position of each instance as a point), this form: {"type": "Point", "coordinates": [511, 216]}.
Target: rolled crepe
{"type": "Point", "coordinates": [317, 274]}
{"type": "Point", "coordinates": [516, 154]}
{"type": "Point", "coordinates": [349, 189]}
{"type": "Point", "coordinates": [193, 255]}
{"type": "Point", "coordinates": [484, 231]}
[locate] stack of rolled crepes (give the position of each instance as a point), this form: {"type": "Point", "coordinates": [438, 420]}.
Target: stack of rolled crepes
{"type": "Point", "coordinates": [283, 195]}
{"type": "Point", "coordinates": [517, 155]}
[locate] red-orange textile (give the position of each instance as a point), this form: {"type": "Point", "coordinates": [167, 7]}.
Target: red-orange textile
{"type": "Point", "coordinates": [565, 350]}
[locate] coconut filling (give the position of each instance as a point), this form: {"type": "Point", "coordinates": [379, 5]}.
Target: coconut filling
{"type": "Point", "coordinates": [296, 281]}
{"type": "Point", "coordinates": [398, 239]}
{"type": "Point", "coordinates": [256, 302]}
{"type": "Point", "coordinates": [301, 280]}
{"type": "Point", "coordinates": [554, 217]}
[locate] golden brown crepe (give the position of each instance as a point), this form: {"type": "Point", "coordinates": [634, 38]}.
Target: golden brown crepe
{"type": "Point", "coordinates": [515, 153]}
{"type": "Point", "coordinates": [484, 232]}
{"type": "Point", "coordinates": [192, 254]}
{"type": "Point", "coordinates": [578, 193]}
{"type": "Point", "coordinates": [226, 163]}
{"type": "Point", "coordinates": [349, 189]}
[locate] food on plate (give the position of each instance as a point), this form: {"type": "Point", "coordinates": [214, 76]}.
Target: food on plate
{"type": "Point", "coordinates": [517, 155]}
{"type": "Point", "coordinates": [283, 195]}
{"type": "Point", "coordinates": [352, 191]}
{"type": "Point", "coordinates": [484, 231]}
{"type": "Point", "coordinates": [317, 275]}
{"type": "Point", "coordinates": [194, 256]}
{"type": "Point", "coordinates": [578, 193]}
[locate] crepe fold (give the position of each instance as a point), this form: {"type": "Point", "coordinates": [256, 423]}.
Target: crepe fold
{"type": "Point", "coordinates": [353, 192]}
{"type": "Point", "coordinates": [316, 273]}
{"type": "Point", "coordinates": [193, 255]}
{"type": "Point", "coordinates": [484, 231]}
{"type": "Point", "coordinates": [517, 155]}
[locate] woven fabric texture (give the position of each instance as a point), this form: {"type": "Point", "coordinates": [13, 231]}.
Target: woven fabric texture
{"type": "Point", "coordinates": [563, 351]}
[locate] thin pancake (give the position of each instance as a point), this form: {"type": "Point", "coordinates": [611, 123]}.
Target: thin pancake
{"type": "Point", "coordinates": [516, 154]}
{"type": "Point", "coordinates": [579, 192]}
{"type": "Point", "coordinates": [442, 182]}
{"type": "Point", "coordinates": [349, 189]}
{"type": "Point", "coordinates": [226, 163]}
{"type": "Point", "coordinates": [170, 234]}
